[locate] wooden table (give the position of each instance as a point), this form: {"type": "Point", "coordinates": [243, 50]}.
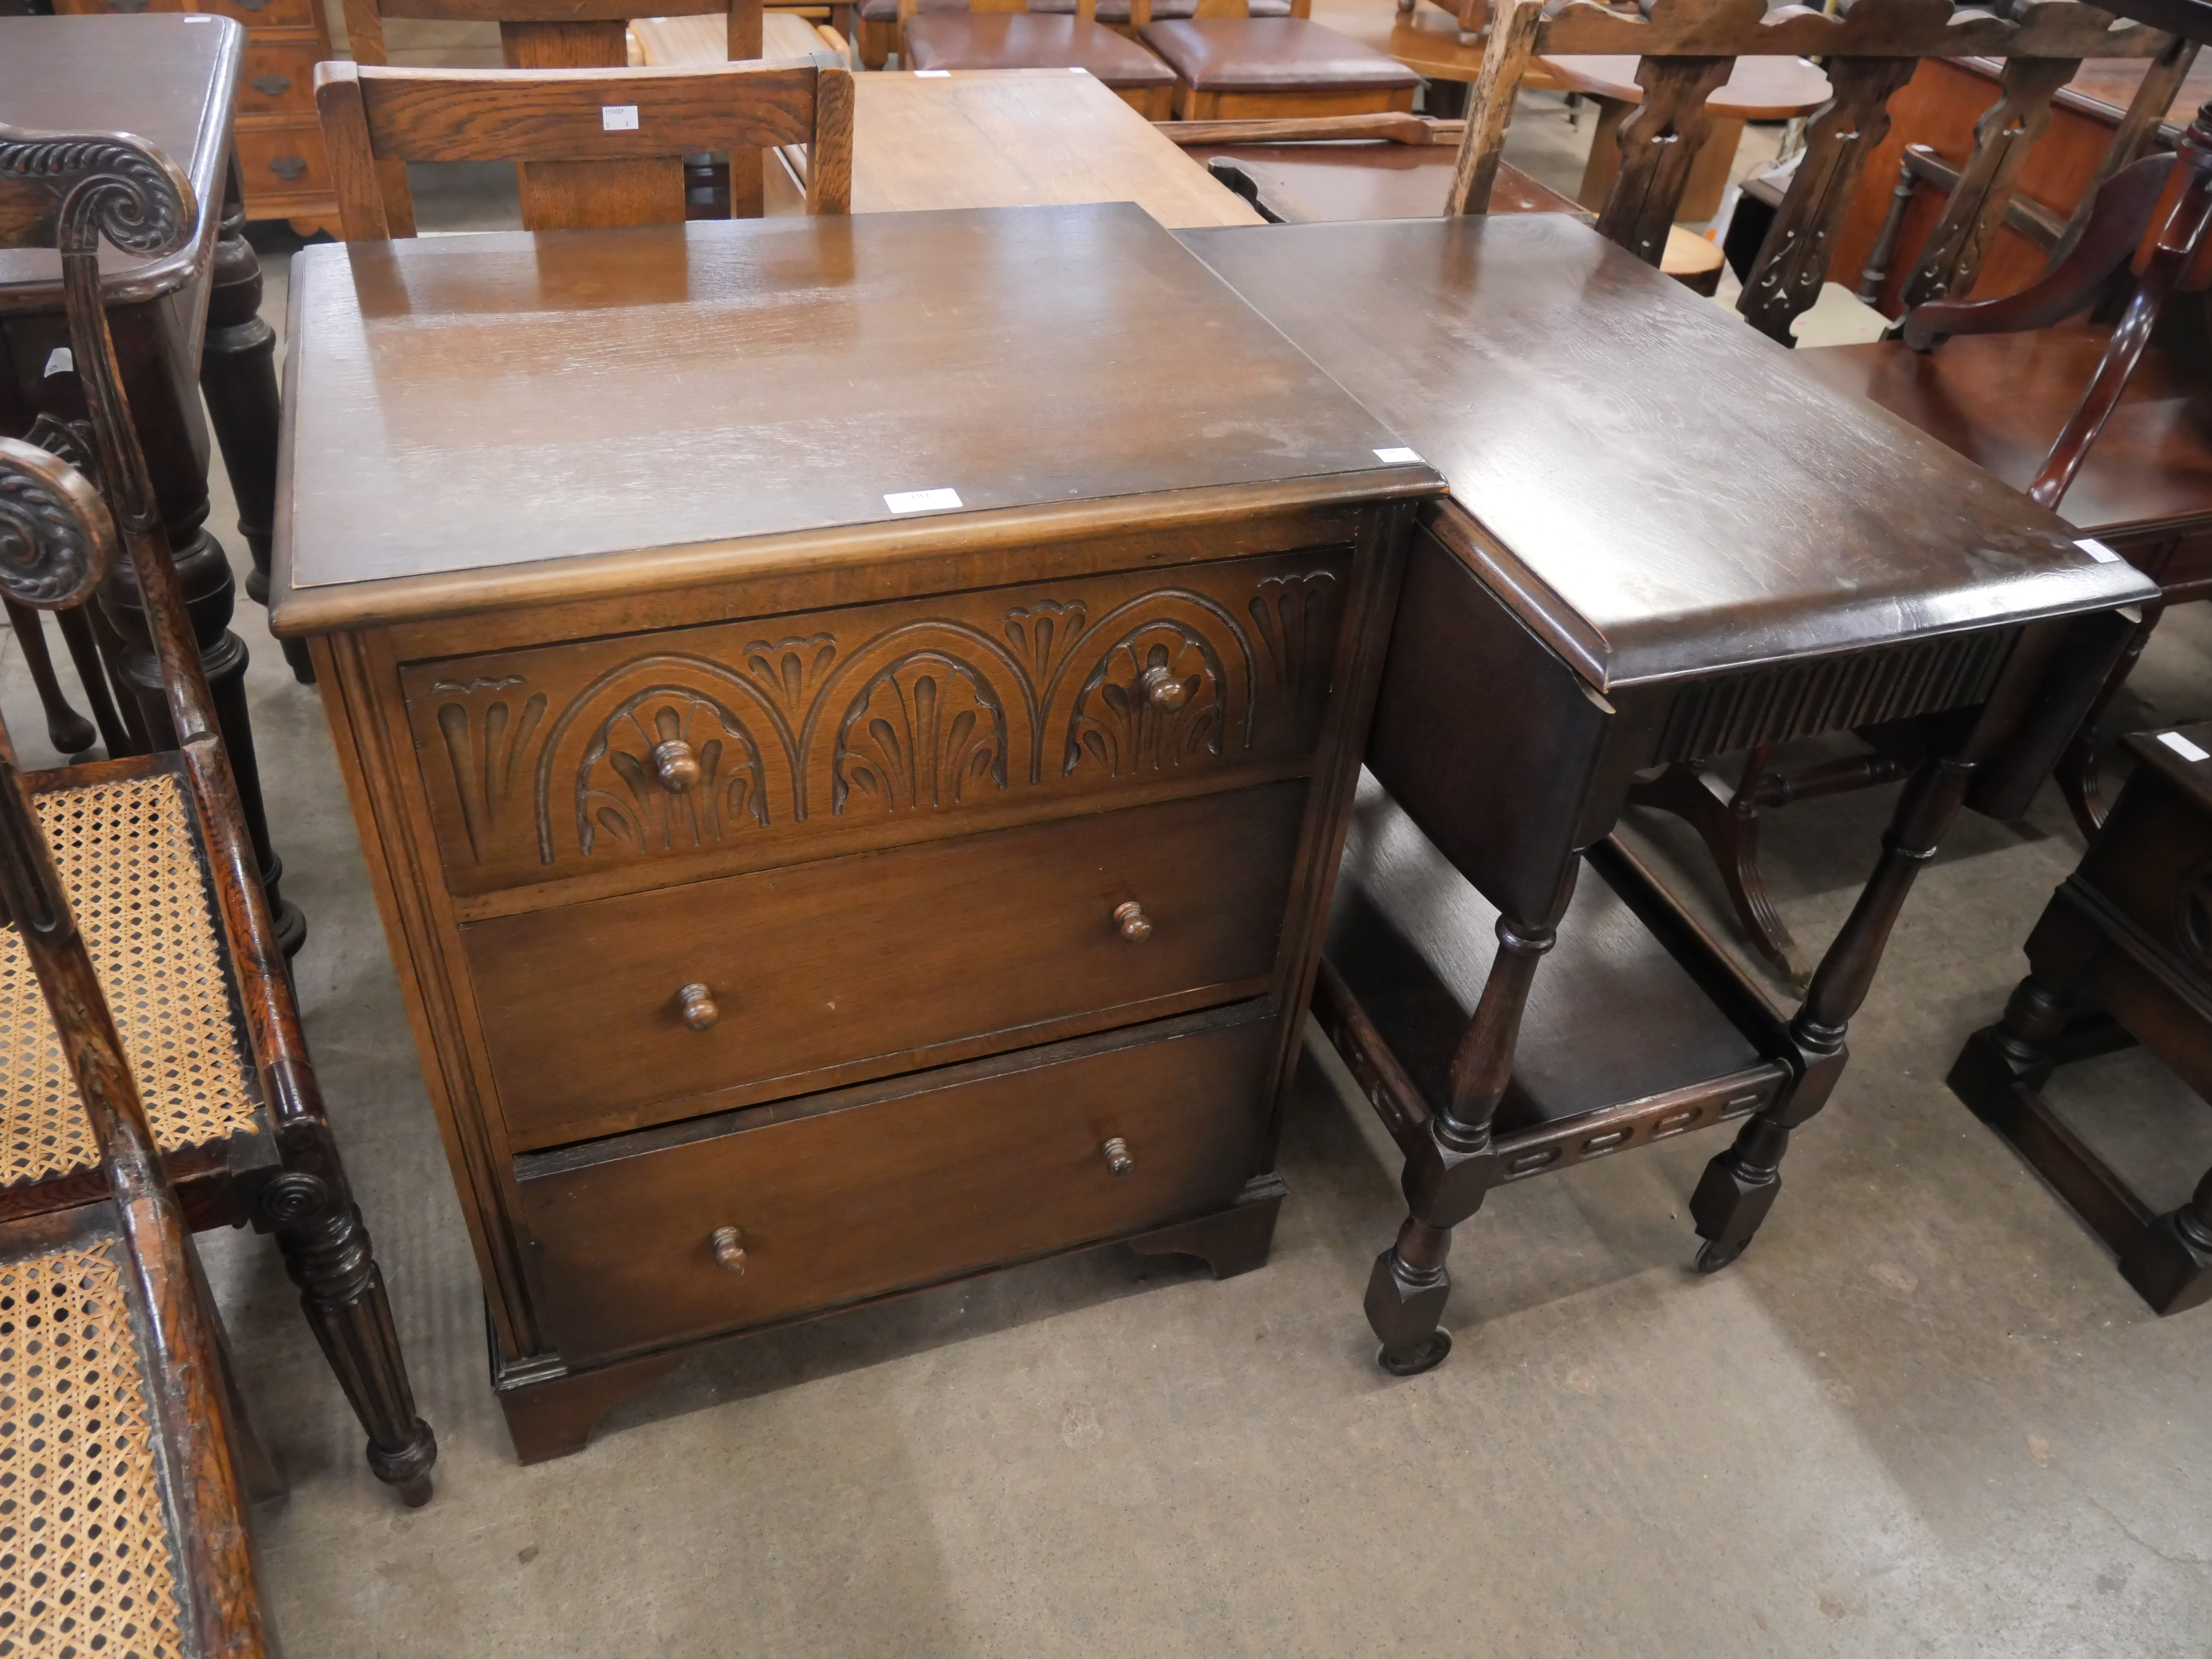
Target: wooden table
{"type": "Point", "coordinates": [851, 719]}
{"type": "Point", "coordinates": [1661, 543]}
{"type": "Point", "coordinates": [184, 326]}
{"type": "Point", "coordinates": [704, 38]}
{"type": "Point", "coordinates": [2123, 954]}
{"type": "Point", "coordinates": [994, 138]}
{"type": "Point", "coordinates": [1309, 183]}
{"type": "Point", "coordinates": [1759, 90]}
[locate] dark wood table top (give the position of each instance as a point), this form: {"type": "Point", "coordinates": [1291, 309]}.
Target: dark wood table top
{"type": "Point", "coordinates": [170, 79]}
{"type": "Point", "coordinates": [1662, 494]}
{"type": "Point", "coordinates": [470, 420]}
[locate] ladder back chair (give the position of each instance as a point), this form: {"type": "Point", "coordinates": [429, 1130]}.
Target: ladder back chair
{"type": "Point", "coordinates": [603, 147]}
{"type": "Point", "coordinates": [154, 853]}
{"type": "Point", "coordinates": [549, 34]}
{"type": "Point", "coordinates": [1688, 48]}
{"type": "Point", "coordinates": [128, 1459]}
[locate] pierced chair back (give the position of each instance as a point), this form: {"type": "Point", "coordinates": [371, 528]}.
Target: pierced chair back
{"type": "Point", "coordinates": [604, 147]}
{"type": "Point", "coordinates": [1687, 49]}
{"type": "Point", "coordinates": [108, 1296]}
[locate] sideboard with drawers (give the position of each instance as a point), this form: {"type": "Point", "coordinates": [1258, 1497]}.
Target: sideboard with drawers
{"type": "Point", "coordinates": [852, 722]}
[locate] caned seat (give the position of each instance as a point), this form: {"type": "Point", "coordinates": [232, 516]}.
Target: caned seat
{"type": "Point", "coordinates": [86, 1542]}
{"type": "Point", "coordinates": [131, 861]}
{"type": "Point", "coordinates": [1260, 66]}
{"type": "Point", "coordinates": [1008, 40]}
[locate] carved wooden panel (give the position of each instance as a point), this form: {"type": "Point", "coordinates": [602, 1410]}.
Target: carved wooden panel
{"type": "Point", "coordinates": [546, 763]}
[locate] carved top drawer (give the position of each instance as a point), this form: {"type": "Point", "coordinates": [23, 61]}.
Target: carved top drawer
{"type": "Point", "coordinates": [727, 744]}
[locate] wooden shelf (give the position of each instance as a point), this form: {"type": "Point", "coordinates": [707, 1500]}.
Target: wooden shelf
{"type": "Point", "coordinates": [1637, 1028]}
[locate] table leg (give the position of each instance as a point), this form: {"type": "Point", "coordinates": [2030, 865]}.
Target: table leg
{"type": "Point", "coordinates": [238, 377]}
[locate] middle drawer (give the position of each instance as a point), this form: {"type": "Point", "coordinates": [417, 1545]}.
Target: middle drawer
{"type": "Point", "coordinates": [613, 1015]}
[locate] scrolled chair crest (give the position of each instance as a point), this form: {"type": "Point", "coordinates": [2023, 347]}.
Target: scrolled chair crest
{"type": "Point", "coordinates": [104, 184]}
{"type": "Point", "coordinates": [57, 540]}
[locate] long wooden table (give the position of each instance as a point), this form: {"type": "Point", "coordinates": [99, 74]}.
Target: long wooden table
{"type": "Point", "coordinates": [990, 138]}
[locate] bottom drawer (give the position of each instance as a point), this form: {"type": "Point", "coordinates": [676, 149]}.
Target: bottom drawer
{"type": "Point", "coordinates": [282, 161]}
{"type": "Point", "coordinates": [893, 1185]}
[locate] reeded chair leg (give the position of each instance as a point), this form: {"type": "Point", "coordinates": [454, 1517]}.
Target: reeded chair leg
{"type": "Point", "coordinates": [328, 1252]}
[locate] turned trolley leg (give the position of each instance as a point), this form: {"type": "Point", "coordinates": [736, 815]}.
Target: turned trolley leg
{"type": "Point", "coordinates": [326, 1251]}
{"type": "Point", "coordinates": [1453, 1165]}
{"type": "Point", "coordinates": [1739, 1185]}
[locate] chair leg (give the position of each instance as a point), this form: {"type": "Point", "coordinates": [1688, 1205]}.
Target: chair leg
{"type": "Point", "coordinates": [328, 1252]}
{"type": "Point", "coordinates": [1730, 829]}
{"type": "Point", "coordinates": [66, 729]}
{"type": "Point", "coordinates": [76, 624]}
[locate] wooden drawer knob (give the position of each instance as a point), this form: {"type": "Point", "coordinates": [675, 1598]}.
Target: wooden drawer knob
{"type": "Point", "coordinates": [676, 765]}
{"type": "Point", "coordinates": [1162, 688]}
{"type": "Point", "coordinates": [1136, 925]}
{"type": "Point", "coordinates": [696, 1004]}
{"type": "Point", "coordinates": [729, 1249]}
{"type": "Point", "coordinates": [1119, 1162]}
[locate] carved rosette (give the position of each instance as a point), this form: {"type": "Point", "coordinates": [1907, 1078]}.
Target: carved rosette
{"type": "Point", "coordinates": [1120, 726]}
{"type": "Point", "coordinates": [921, 733]}
{"type": "Point", "coordinates": [57, 541]}
{"type": "Point", "coordinates": [625, 790]}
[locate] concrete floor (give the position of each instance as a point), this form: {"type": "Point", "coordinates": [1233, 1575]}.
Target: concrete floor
{"type": "Point", "coordinates": [1923, 1415]}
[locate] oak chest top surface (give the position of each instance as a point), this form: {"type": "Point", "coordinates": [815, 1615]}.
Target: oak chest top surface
{"type": "Point", "coordinates": [169, 79]}
{"type": "Point", "coordinates": [1667, 495]}
{"type": "Point", "coordinates": [468, 416]}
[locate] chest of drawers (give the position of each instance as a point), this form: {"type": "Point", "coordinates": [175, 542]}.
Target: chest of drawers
{"type": "Point", "coordinates": [801, 901]}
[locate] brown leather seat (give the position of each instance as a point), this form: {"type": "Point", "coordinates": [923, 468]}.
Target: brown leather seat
{"type": "Point", "coordinates": [1117, 11]}
{"type": "Point", "coordinates": [1005, 40]}
{"type": "Point", "coordinates": [1237, 58]}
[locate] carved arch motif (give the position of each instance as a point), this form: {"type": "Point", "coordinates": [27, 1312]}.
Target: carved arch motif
{"type": "Point", "coordinates": [619, 791]}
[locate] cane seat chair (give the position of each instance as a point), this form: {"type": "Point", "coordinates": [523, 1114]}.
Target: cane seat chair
{"type": "Point", "coordinates": [126, 1463]}
{"type": "Point", "coordinates": [981, 36]}
{"type": "Point", "coordinates": [584, 165]}
{"type": "Point", "coordinates": [154, 853]}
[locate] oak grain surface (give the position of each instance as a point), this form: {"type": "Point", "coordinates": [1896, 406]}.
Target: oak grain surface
{"type": "Point", "coordinates": [462, 404]}
{"type": "Point", "coordinates": [1663, 489]}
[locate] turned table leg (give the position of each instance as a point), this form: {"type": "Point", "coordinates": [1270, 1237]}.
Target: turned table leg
{"type": "Point", "coordinates": [1453, 1167]}
{"type": "Point", "coordinates": [1741, 1184]}
{"type": "Point", "coordinates": [238, 377]}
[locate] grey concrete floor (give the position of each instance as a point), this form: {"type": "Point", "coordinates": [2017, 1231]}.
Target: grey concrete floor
{"type": "Point", "coordinates": [1923, 1415]}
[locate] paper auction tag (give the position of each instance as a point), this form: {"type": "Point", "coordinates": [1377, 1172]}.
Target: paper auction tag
{"type": "Point", "coordinates": [2098, 550]}
{"type": "Point", "coordinates": [922, 500]}
{"type": "Point", "coordinates": [619, 117]}
{"type": "Point", "coordinates": [2182, 746]}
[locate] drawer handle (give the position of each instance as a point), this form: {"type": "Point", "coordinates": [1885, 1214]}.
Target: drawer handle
{"type": "Point", "coordinates": [1136, 925]}
{"type": "Point", "coordinates": [676, 764]}
{"type": "Point", "coordinates": [1119, 1162]}
{"type": "Point", "coordinates": [1162, 688]}
{"type": "Point", "coordinates": [272, 86]}
{"type": "Point", "coordinates": [729, 1249]}
{"type": "Point", "coordinates": [288, 167]}
{"type": "Point", "coordinates": [696, 1004]}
